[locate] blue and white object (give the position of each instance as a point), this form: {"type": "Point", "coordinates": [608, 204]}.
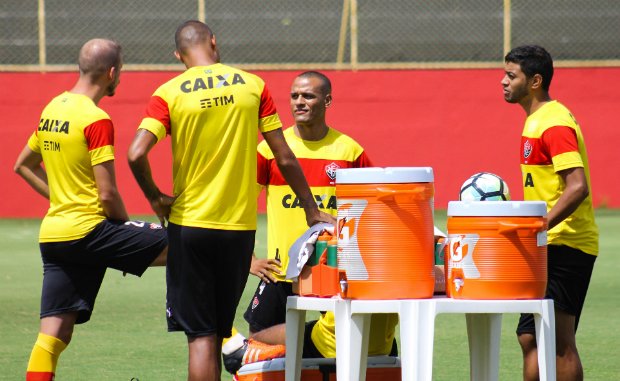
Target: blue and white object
{"type": "Point", "coordinates": [484, 187]}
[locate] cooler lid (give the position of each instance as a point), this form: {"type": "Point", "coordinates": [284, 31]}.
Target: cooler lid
{"type": "Point", "coordinates": [389, 175]}
{"type": "Point", "coordinates": [497, 209]}
{"type": "Point", "coordinates": [276, 365]}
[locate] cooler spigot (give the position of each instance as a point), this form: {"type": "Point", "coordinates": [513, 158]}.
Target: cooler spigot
{"type": "Point", "coordinates": [458, 283]}
{"type": "Point", "coordinates": [343, 286]}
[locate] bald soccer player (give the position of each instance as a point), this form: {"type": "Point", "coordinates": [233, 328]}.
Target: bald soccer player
{"type": "Point", "coordinates": [86, 229]}
{"type": "Point", "coordinates": [212, 113]}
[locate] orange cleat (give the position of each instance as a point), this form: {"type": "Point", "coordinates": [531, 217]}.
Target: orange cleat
{"type": "Point", "coordinates": [252, 351]}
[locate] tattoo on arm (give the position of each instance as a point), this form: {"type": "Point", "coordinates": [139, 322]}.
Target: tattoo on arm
{"type": "Point", "coordinates": [144, 177]}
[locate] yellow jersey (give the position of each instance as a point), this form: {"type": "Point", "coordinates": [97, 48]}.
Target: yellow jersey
{"type": "Point", "coordinates": [319, 161]}
{"type": "Point", "coordinates": [552, 142]}
{"type": "Point", "coordinates": [213, 115]}
{"type": "Point", "coordinates": [73, 136]}
{"type": "Point", "coordinates": [382, 327]}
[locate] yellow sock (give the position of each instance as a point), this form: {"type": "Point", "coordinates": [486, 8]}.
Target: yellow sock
{"type": "Point", "coordinates": [227, 339]}
{"type": "Point", "coordinates": [44, 357]}
{"type": "Point", "coordinates": [233, 343]}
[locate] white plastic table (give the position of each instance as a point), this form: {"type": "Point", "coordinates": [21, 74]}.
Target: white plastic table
{"type": "Point", "coordinates": [417, 323]}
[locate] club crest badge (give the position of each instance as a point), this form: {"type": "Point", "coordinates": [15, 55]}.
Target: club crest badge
{"type": "Point", "coordinates": [527, 149]}
{"type": "Point", "coordinates": [254, 302]}
{"type": "Point", "coordinates": [331, 170]}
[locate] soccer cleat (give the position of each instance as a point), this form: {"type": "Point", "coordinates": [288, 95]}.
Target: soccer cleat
{"type": "Point", "coordinates": [252, 351]}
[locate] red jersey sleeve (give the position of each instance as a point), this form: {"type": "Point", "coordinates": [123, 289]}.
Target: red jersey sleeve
{"type": "Point", "coordinates": [362, 161]}
{"type": "Point", "coordinates": [267, 107]}
{"type": "Point", "coordinates": [263, 170]}
{"type": "Point", "coordinates": [99, 134]}
{"type": "Point", "coordinates": [158, 110]}
{"type": "Point", "coordinates": [559, 139]}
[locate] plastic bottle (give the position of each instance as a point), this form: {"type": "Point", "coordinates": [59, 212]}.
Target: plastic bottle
{"type": "Point", "coordinates": [332, 253]}
{"type": "Point", "coordinates": [319, 247]}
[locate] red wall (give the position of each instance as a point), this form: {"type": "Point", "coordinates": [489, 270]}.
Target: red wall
{"type": "Point", "coordinates": [455, 121]}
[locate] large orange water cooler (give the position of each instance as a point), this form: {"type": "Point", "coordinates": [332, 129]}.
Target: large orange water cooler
{"type": "Point", "coordinates": [497, 250]}
{"type": "Point", "coordinates": [385, 233]}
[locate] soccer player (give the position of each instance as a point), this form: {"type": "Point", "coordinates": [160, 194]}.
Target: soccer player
{"type": "Point", "coordinates": [213, 113]}
{"type": "Point", "coordinates": [85, 230]}
{"type": "Point", "coordinates": [321, 150]}
{"type": "Point", "coordinates": [555, 170]}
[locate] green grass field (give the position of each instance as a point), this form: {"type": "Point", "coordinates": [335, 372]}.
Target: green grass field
{"type": "Point", "coordinates": [127, 336]}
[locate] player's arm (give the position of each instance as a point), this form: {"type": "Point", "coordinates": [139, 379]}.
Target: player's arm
{"type": "Point", "coordinates": [562, 146]}
{"type": "Point", "coordinates": [109, 196]}
{"type": "Point", "coordinates": [575, 193]}
{"type": "Point", "coordinates": [294, 176]}
{"type": "Point", "coordinates": [29, 167]}
{"type": "Point", "coordinates": [138, 159]}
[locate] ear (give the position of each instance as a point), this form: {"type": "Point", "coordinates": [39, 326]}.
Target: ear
{"type": "Point", "coordinates": [178, 56]}
{"type": "Point", "coordinates": [536, 82]}
{"type": "Point", "coordinates": [213, 43]}
{"type": "Point", "coordinates": [328, 100]}
{"type": "Point", "coordinates": [112, 73]}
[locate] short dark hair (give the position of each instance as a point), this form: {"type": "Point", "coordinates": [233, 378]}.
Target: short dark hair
{"type": "Point", "coordinates": [533, 60]}
{"type": "Point", "coordinates": [191, 33]}
{"type": "Point", "coordinates": [327, 84]}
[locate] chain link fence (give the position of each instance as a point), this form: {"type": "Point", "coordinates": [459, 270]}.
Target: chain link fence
{"type": "Point", "coordinates": [347, 34]}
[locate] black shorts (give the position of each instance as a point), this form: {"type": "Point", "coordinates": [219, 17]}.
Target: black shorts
{"type": "Point", "coordinates": [268, 306]}
{"type": "Point", "coordinates": [206, 273]}
{"type": "Point", "coordinates": [569, 272]}
{"type": "Point", "coordinates": [73, 270]}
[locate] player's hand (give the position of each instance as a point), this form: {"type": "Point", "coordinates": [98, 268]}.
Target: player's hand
{"type": "Point", "coordinates": [315, 216]}
{"type": "Point", "coordinates": [161, 206]}
{"type": "Point", "coordinates": [263, 268]}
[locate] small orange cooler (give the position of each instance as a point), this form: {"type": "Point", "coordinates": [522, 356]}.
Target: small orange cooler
{"type": "Point", "coordinates": [497, 250]}
{"type": "Point", "coordinates": [380, 368]}
{"type": "Point", "coordinates": [385, 233]}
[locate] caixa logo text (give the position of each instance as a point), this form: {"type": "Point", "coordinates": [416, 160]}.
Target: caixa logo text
{"type": "Point", "coordinates": [289, 201]}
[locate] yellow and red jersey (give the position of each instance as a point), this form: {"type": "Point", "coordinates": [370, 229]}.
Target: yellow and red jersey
{"type": "Point", "coordinates": [552, 142]}
{"type": "Point", "coordinates": [213, 115]}
{"type": "Point", "coordinates": [73, 135]}
{"type": "Point", "coordinates": [319, 161]}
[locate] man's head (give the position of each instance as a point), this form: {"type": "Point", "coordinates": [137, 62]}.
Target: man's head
{"type": "Point", "coordinates": [311, 95]}
{"type": "Point", "coordinates": [101, 60]}
{"type": "Point", "coordinates": [195, 38]}
{"type": "Point", "coordinates": [529, 69]}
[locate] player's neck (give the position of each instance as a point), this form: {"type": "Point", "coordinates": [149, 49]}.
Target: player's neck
{"type": "Point", "coordinates": [533, 103]}
{"type": "Point", "coordinates": [311, 133]}
{"type": "Point", "coordinates": [93, 91]}
{"type": "Point", "coordinates": [196, 59]}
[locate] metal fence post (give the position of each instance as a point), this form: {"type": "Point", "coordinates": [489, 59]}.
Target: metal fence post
{"type": "Point", "coordinates": [354, 35]}
{"type": "Point", "coordinates": [201, 11]}
{"type": "Point", "coordinates": [507, 26]}
{"type": "Point", "coordinates": [343, 32]}
{"type": "Point", "coordinates": [42, 57]}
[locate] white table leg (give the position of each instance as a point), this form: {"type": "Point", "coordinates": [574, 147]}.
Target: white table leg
{"type": "Point", "coordinates": [358, 346]}
{"type": "Point", "coordinates": [545, 340]}
{"type": "Point", "coordinates": [417, 331]}
{"type": "Point", "coordinates": [342, 316]}
{"type": "Point", "coordinates": [295, 326]}
{"type": "Point", "coordinates": [484, 333]}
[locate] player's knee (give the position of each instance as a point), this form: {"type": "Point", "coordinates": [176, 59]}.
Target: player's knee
{"type": "Point", "coordinates": [253, 332]}
{"type": "Point", "coordinates": [527, 342]}
{"type": "Point", "coordinates": [65, 334]}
